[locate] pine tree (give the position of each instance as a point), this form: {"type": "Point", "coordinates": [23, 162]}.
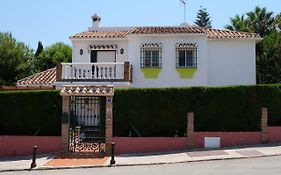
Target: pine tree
{"type": "Point", "coordinates": [203, 19]}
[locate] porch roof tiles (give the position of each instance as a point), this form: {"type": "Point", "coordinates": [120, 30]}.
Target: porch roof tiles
{"type": "Point", "coordinates": [47, 77]}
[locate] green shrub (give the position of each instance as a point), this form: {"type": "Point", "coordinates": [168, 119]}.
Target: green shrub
{"type": "Point", "coordinates": [30, 113]}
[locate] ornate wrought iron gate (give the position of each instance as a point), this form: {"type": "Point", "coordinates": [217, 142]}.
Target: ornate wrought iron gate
{"type": "Point", "coordinates": [87, 130]}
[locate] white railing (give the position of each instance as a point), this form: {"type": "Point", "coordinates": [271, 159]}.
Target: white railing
{"type": "Point", "coordinates": [93, 71]}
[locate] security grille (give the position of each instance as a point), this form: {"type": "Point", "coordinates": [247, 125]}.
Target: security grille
{"type": "Point", "coordinates": [87, 124]}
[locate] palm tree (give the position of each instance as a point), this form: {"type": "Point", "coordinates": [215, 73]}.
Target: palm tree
{"type": "Point", "coordinates": [260, 21]}
{"type": "Point", "coordinates": [237, 24]}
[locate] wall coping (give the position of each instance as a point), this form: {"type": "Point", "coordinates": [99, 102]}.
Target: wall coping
{"type": "Point", "coordinates": [87, 90]}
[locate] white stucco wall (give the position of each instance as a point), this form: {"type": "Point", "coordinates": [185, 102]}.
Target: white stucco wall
{"type": "Point", "coordinates": [168, 77]}
{"type": "Point", "coordinates": [220, 62]}
{"type": "Point", "coordinates": [84, 44]}
{"type": "Point", "coordinates": [231, 62]}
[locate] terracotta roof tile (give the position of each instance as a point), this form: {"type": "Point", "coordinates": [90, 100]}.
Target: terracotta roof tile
{"type": "Point", "coordinates": [102, 34]}
{"type": "Point", "coordinates": [47, 77]}
{"type": "Point", "coordinates": [211, 33]}
{"type": "Point", "coordinates": [167, 30]}
{"type": "Point", "coordinates": [226, 34]}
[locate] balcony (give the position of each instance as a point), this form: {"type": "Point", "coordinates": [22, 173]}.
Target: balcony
{"type": "Point", "coordinates": [94, 72]}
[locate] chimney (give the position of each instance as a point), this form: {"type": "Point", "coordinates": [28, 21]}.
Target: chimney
{"type": "Point", "coordinates": [95, 21]}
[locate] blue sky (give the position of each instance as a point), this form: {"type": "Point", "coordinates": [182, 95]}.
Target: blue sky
{"type": "Point", "coordinates": [51, 21]}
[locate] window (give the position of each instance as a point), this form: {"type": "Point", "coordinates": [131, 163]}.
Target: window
{"type": "Point", "coordinates": [186, 56]}
{"type": "Point", "coordinates": [151, 56]}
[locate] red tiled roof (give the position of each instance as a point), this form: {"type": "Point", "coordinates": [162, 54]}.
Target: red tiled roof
{"type": "Point", "coordinates": [101, 34]}
{"type": "Point", "coordinates": [225, 34]}
{"type": "Point", "coordinates": [47, 77]}
{"type": "Point", "coordinates": [167, 30]}
{"type": "Point", "coordinates": [211, 33]}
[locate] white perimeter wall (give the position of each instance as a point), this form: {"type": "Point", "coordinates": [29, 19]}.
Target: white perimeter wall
{"type": "Point", "coordinates": [231, 62]}
{"type": "Point", "coordinates": [168, 77]}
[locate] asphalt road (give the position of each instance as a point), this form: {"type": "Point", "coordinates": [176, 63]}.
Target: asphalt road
{"type": "Point", "coordinates": [254, 166]}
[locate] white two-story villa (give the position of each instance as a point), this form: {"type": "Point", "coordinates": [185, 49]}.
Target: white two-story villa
{"type": "Point", "coordinates": [177, 56]}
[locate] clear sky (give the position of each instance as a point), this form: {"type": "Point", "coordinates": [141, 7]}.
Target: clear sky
{"type": "Point", "coordinates": [51, 21]}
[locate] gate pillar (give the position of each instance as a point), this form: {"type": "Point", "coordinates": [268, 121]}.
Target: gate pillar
{"type": "Point", "coordinates": [108, 124]}
{"type": "Point", "coordinates": [65, 123]}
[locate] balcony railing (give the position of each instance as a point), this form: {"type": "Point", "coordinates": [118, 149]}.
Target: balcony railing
{"type": "Point", "coordinates": [106, 71]}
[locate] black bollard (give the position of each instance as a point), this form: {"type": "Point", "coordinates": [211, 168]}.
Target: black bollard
{"type": "Point", "coordinates": [112, 161]}
{"type": "Point", "coordinates": [33, 164]}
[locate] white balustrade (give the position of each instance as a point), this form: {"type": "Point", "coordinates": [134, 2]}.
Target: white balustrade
{"type": "Point", "coordinates": [93, 71]}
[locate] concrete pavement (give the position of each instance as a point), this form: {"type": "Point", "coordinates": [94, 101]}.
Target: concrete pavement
{"type": "Point", "coordinates": [50, 161]}
{"type": "Point", "coordinates": [23, 163]}
{"type": "Point", "coordinates": [253, 166]}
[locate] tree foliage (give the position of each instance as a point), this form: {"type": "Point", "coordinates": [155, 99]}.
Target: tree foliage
{"type": "Point", "coordinates": [15, 59]}
{"type": "Point", "coordinates": [49, 57]}
{"type": "Point", "coordinates": [277, 22]}
{"type": "Point", "coordinates": [259, 21]}
{"type": "Point", "coordinates": [268, 51]}
{"type": "Point", "coordinates": [269, 61]}
{"type": "Point", "coordinates": [39, 49]}
{"type": "Point", "coordinates": [203, 19]}
{"type": "Point", "coordinates": [238, 23]}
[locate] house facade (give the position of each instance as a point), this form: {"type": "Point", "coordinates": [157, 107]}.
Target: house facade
{"type": "Point", "coordinates": [139, 57]}
{"type": "Point", "coordinates": [178, 56]}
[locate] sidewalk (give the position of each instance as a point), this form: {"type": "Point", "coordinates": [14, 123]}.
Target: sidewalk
{"type": "Point", "coordinates": [58, 162]}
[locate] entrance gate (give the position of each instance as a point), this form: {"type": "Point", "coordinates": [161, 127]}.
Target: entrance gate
{"type": "Point", "coordinates": [87, 124]}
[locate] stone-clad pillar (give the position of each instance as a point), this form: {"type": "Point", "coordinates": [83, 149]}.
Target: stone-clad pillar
{"type": "Point", "coordinates": [108, 124]}
{"type": "Point", "coordinates": [65, 123]}
{"type": "Point", "coordinates": [190, 130]}
{"type": "Point", "coordinates": [264, 130]}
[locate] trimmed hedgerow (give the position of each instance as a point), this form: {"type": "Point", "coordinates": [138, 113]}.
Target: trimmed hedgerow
{"type": "Point", "coordinates": [150, 112]}
{"type": "Point", "coordinates": [30, 113]}
{"type": "Point", "coordinates": [162, 112]}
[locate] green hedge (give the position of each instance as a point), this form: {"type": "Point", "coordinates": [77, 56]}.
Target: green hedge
{"type": "Point", "coordinates": [150, 112]}
{"type": "Point", "coordinates": [30, 113]}
{"type": "Point", "coordinates": [162, 112]}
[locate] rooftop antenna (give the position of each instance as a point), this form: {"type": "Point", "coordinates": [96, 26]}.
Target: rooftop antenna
{"type": "Point", "coordinates": [184, 2]}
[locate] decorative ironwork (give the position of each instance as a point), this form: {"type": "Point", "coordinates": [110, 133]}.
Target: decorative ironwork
{"type": "Point", "coordinates": [87, 125]}
{"type": "Point", "coordinates": [151, 55]}
{"type": "Point", "coordinates": [103, 47]}
{"type": "Point", "coordinates": [186, 55]}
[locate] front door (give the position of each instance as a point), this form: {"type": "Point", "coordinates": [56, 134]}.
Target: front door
{"type": "Point", "coordinates": [87, 133]}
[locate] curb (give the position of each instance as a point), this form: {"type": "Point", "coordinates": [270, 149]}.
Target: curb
{"type": "Point", "coordinates": [137, 164]}
{"type": "Point", "coordinates": [204, 160]}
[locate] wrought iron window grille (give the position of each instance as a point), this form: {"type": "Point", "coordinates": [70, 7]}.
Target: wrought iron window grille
{"type": "Point", "coordinates": [151, 55]}
{"type": "Point", "coordinates": [186, 55]}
